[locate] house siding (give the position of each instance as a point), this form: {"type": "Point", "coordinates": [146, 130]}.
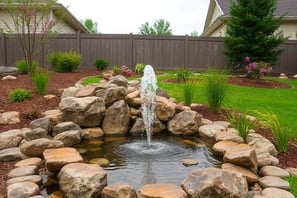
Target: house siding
{"type": "Point", "coordinates": [216, 14]}
{"type": "Point", "coordinates": [289, 30]}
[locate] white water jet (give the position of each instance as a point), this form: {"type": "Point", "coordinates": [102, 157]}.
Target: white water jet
{"type": "Point", "coordinates": [148, 97]}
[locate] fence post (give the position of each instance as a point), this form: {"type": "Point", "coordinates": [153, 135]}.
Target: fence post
{"type": "Point", "coordinates": [186, 55]}
{"type": "Point", "coordinates": [3, 48]}
{"type": "Point", "coordinates": [131, 49]}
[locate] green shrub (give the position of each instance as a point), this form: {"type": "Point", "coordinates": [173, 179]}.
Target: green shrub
{"type": "Point", "coordinates": [139, 68]}
{"type": "Point", "coordinates": [189, 90]}
{"type": "Point", "coordinates": [240, 122]}
{"type": "Point", "coordinates": [182, 74]}
{"type": "Point", "coordinates": [19, 95]}
{"type": "Point", "coordinates": [101, 64]}
{"type": "Point", "coordinates": [40, 79]}
{"type": "Point", "coordinates": [215, 89]}
{"type": "Point", "coordinates": [292, 179]}
{"type": "Point", "coordinates": [22, 66]}
{"type": "Point", "coordinates": [116, 69]}
{"type": "Point", "coordinates": [65, 61]}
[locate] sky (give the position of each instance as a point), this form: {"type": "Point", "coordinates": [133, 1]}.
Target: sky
{"type": "Point", "coordinates": [126, 16]}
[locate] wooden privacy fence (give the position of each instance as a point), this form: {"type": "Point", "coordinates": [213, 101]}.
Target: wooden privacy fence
{"type": "Point", "coordinates": [162, 52]}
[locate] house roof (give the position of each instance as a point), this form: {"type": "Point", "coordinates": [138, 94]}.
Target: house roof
{"type": "Point", "coordinates": [287, 7]}
{"type": "Point", "coordinates": [67, 16]}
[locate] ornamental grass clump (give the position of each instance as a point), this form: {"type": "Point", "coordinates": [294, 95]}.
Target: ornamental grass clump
{"type": "Point", "coordinates": [40, 79]}
{"type": "Point", "coordinates": [241, 122]}
{"type": "Point", "coordinates": [189, 90]}
{"type": "Point", "coordinates": [216, 83]}
{"type": "Point", "coordinates": [182, 74]}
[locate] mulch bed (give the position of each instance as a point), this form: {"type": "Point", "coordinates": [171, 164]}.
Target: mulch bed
{"type": "Point", "coordinates": [32, 109]}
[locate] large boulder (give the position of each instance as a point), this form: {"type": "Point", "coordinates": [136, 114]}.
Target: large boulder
{"type": "Point", "coordinates": [250, 176]}
{"type": "Point", "coordinates": [5, 71]}
{"type": "Point", "coordinates": [82, 180]}
{"type": "Point", "coordinates": [32, 134]}
{"type": "Point", "coordinates": [36, 147]}
{"type": "Point", "coordinates": [11, 138]}
{"type": "Point", "coordinates": [116, 120]}
{"type": "Point", "coordinates": [138, 126]}
{"type": "Point", "coordinates": [114, 94]}
{"type": "Point", "coordinates": [215, 182]}
{"type": "Point", "coordinates": [54, 116]}
{"type": "Point", "coordinates": [10, 117]}
{"type": "Point", "coordinates": [161, 190]}
{"type": "Point", "coordinates": [119, 80]}
{"type": "Point", "coordinates": [86, 112]}
{"type": "Point", "coordinates": [165, 110]}
{"type": "Point", "coordinates": [185, 123]}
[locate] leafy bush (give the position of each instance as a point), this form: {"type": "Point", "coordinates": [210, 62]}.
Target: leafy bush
{"type": "Point", "coordinates": [240, 122]}
{"type": "Point", "coordinates": [127, 72]}
{"type": "Point", "coordinates": [40, 79]}
{"type": "Point", "coordinates": [256, 69]}
{"type": "Point", "coordinates": [65, 61]}
{"type": "Point", "coordinates": [101, 64]}
{"type": "Point", "coordinates": [182, 74]}
{"type": "Point", "coordinates": [116, 69]}
{"type": "Point", "coordinates": [215, 89]}
{"type": "Point", "coordinates": [139, 68]}
{"type": "Point", "coordinates": [19, 95]}
{"type": "Point", "coordinates": [22, 66]}
{"type": "Point", "coordinates": [188, 90]}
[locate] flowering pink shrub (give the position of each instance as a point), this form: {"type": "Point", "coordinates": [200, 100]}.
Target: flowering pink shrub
{"type": "Point", "coordinates": [127, 72]}
{"type": "Point", "coordinates": [256, 69]}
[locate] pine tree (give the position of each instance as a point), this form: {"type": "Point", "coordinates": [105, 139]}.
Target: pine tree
{"type": "Point", "coordinates": [252, 30]}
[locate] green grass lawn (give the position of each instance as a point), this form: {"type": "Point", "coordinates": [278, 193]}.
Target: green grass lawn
{"type": "Point", "coordinates": [282, 102]}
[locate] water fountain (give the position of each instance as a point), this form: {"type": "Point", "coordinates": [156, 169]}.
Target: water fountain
{"type": "Point", "coordinates": [148, 97]}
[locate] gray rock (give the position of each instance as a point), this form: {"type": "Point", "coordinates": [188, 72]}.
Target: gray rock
{"type": "Point", "coordinates": [11, 138]}
{"type": "Point", "coordinates": [69, 138]}
{"type": "Point", "coordinates": [65, 126]}
{"type": "Point", "coordinates": [41, 123]}
{"type": "Point", "coordinates": [215, 182]}
{"type": "Point", "coordinates": [5, 71]}
{"type": "Point", "coordinates": [11, 154]}
{"type": "Point", "coordinates": [274, 171]}
{"type": "Point", "coordinates": [274, 182]}
{"type": "Point", "coordinates": [138, 126]}
{"type": "Point", "coordinates": [116, 120]}
{"type": "Point", "coordinates": [22, 189]}
{"type": "Point", "coordinates": [82, 180]}
{"type": "Point", "coordinates": [86, 112]}
{"type": "Point", "coordinates": [23, 171]}
{"type": "Point", "coordinates": [276, 193]}
{"type": "Point", "coordinates": [30, 178]}
{"type": "Point", "coordinates": [185, 123]}
{"type": "Point", "coordinates": [36, 147]}
{"type": "Point", "coordinates": [36, 134]}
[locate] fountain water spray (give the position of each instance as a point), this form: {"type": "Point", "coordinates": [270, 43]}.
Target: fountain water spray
{"type": "Point", "coordinates": [148, 97]}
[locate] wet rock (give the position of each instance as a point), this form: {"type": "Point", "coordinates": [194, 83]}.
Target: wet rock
{"type": "Point", "coordinates": [10, 117]}
{"type": "Point", "coordinates": [116, 120]}
{"type": "Point", "coordinates": [92, 133]}
{"type": "Point", "coordinates": [86, 112]}
{"type": "Point", "coordinates": [133, 95]}
{"type": "Point", "coordinates": [34, 161]}
{"type": "Point", "coordinates": [215, 182]}
{"type": "Point", "coordinates": [11, 138]}
{"type": "Point", "coordinates": [55, 159]}
{"type": "Point", "coordinates": [250, 176]}
{"type": "Point", "coordinates": [185, 123]}
{"type": "Point", "coordinates": [189, 162]}
{"type": "Point", "coordinates": [274, 171]}
{"type": "Point", "coordinates": [100, 161]}
{"type": "Point", "coordinates": [29, 178]}
{"type": "Point", "coordinates": [161, 190]}
{"type": "Point", "coordinates": [11, 154]}
{"type": "Point", "coordinates": [82, 180]}
{"type": "Point", "coordinates": [138, 126]}
{"type": "Point", "coordinates": [23, 171]}
{"type": "Point", "coordinates": [65, 126]}
{"type": "Point", "coordinates": [118, 190]}
{"type": "Point", "coordinates": [276, 193]}
{"type": "Point", "coordinates": [36, 147]}
{"type": "Point", "coordinates": [274, 182]}
{"type": "Point", "coordinates": [69, 138]}
{"type": "Point", "coordinates": [22, 189]}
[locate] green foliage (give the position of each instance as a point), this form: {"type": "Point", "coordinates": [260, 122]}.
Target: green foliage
{"type": "Point", "coordinates": [65, 61]}
{"type": "Point", "coordinates": [292, 179]}
{"type": "Point", "coordinates": [189, 90]}
{"type": "Point", "coordinates": [40, 79]}
{"type": "Point", "coordinates": [182, 74]}
{"type": "Point", "coordinates": [281, 133]}
{"type": "Point", "coordinates": [116, 69]}
{"type": "Point", "coordinates": [91, 80]}
{"type": "Point", "coordinates": [23, 68]}
{"type": "Point", "coordinates": [216, 84]}
{"type": "Point", "coordinates": [160, 27]}
{"type": "Point", "coordinates": [19, 95]}
{"type": "Point", "coordinates": [101, 63]}
{"type": "Point", "coordinates": [90, 25]}
{"type": "Point", "coordinates": [252, 31]}
{"type": "Point", "coordinates": [139, 68]}
{"type": "Point", "coordinates": [240, 122]}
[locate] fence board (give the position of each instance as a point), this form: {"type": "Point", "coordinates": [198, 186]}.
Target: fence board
{"type": "Point", "coordinates": [163, 52]}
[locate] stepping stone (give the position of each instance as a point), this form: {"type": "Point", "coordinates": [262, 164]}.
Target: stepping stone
{"type": "Point", "coordinates": [30, 178]}
{"type": "Point", "coordinates": [34, 161]}
{"type": "Point", "coordinates": [22, 189]}
{"type": "Point", "coordinates": [276, 193]}
{"type": "Point", "coordinates": [250, 176]}
{"type": "Point", "coordinates": [119, 189]}
{"type": "Point", "coordinates": [161, 191]}
{"type": "Point", "coordinates": [55, 159]}
{"type": "Point", "coordinates": [274, 171]}
{"type": "Point", "coordinates": [23, 171]}
{"type": "Point", "coordinates": [189, 162]}
{"type": "Point", "coordinates": [274, 182]}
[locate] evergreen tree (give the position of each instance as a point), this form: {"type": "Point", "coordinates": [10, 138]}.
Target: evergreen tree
{"type": "Point", "coordinates": [252, 31]}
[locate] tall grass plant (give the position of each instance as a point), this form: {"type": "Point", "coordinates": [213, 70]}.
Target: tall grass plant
{"type": "Point", "coordinates": [189, 90]}
{"type": "Point", "coordinates": [40, 78]}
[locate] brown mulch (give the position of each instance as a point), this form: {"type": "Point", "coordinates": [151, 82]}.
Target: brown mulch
{"type": "Point", "coordinates": [32, 109]}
